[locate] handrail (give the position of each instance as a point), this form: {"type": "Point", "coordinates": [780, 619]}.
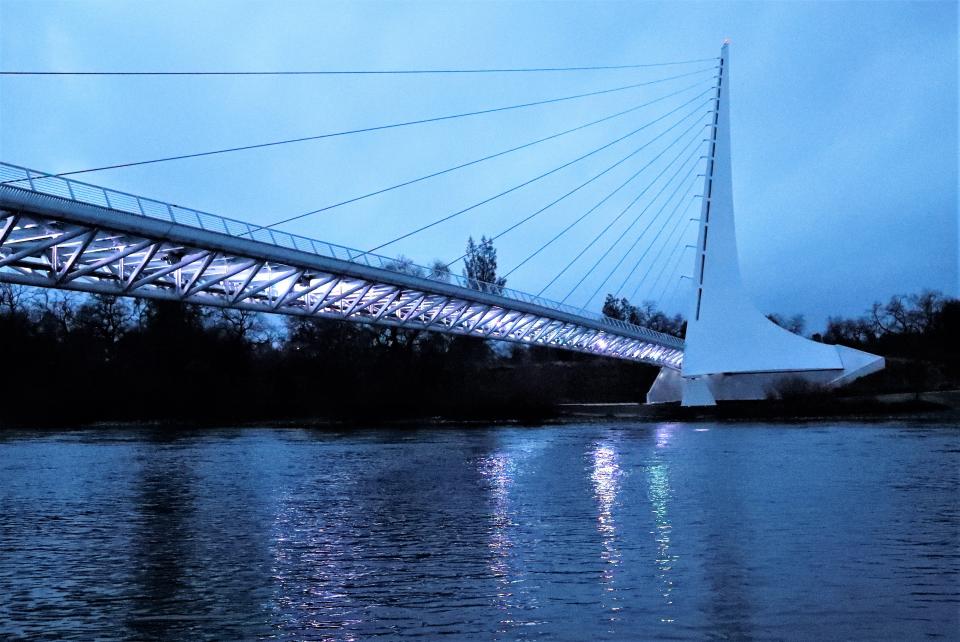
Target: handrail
{"type": "Point", "coordinates": [32, 180]}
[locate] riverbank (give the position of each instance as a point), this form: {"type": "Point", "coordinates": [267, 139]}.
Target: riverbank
{"type": "Point", "coordinates": [938, 405]}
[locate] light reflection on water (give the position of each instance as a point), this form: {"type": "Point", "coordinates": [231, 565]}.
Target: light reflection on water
{"type": "Point", "coordinates": [310, 573]}
{"type": "Point", "coordinates": [606, 482]}
{"type": "Point", "coordinates": [617, 532]}
{"type": "Point", "coordinates": [498, 470]}
{"type": "Point", "coordinates": [659, 494]}
{"type": "Point", "coordinates": [501, 472]}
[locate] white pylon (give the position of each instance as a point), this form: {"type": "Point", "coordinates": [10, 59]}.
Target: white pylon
{"type": "Point", "coordinates": [732, 350]}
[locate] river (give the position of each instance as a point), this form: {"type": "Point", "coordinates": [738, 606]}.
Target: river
{"type": "Point", "coordinates": [597, 531]}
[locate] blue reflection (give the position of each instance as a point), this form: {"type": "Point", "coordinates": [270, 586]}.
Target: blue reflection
{"type": "Point", "coordinates": [605, 475]}
{"type": "Point", "coordinates": [311, 572]}
{"type": "Point", "coordinates": [659, 492]}
{"type": "Point", "coordinates": [482, 534]}
{"type": "Point", "coordinates": [500, 470]}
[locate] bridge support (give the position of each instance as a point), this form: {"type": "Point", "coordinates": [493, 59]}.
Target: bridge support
{"type": "Point", "coordinates": [732, 351]}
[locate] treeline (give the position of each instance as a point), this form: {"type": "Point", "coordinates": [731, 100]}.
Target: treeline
{"type": "Point", "coordinates": [917, 333]}
{"type": "Point", "coordinates": [646, 314]}
{"type": "Point", "coordinates": [77, 358]}
{"type": "Point", "coordinates": [70, 358]}
{"type": "Point", "coordinates": [920, 325]}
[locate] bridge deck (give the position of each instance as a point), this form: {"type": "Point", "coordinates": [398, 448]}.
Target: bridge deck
{"type": "Point", "coordinates": [66, 234]}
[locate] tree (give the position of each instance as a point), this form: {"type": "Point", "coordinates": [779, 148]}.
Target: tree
{"type": "Point", "coordinates": [480, 266]}
{"type": "Point", "coordinates": [913, 314]}
{"type": "Point", "coordinates": [404, 265]}
{"type": "Point", "coordinates": [646, 315]}
{"type": "Point", "coordinates": [848, 331]}
{"type": "Point", "coordinates": [106, 317]}
{"type": "Point", "coordinates": [794, 324]}
{"type": "Point", "coordinates": [241, 325]}
{"type": "Point", "coordinates": [440, 271]}
{"type": "Point", "coordinates": [15, 298]}
{"type": "Point", "coordinates": [616, 308]}
{"type": "Point", "coordinates": [57, 313]}
{"type": "Point", "coordinates": [928, 308]}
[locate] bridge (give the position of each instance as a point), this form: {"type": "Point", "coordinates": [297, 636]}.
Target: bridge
{"type": "Point", "coordinates": [59, 232]}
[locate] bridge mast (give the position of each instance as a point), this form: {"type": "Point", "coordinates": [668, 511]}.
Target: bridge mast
{"type": "Point", "coordinates": [732, 351]}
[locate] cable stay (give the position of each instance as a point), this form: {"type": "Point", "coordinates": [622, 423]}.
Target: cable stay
{"type": "Point", "coordinates": [548, 173]}
{"type": "Point", "coordinates": [571, 192]}
{"type": "Point", "coordinates": [669, 242]}
{"type": "Point", "coordinates": [477, 160]}
{"type": "Point", "coordinates": [672, 272]}
{"type": "Point", "coordinates": [671, 298]}
{"type": "Point", "coordinates": [577, 220]}
{"type": "Point", "coordinates": [636, 219]}
{"type": "Point", "coordinates": [374, 128]}
{"type": "Point", "coordinates": [620, 215]}
{"type": "Point", "coordinates": [681, 225]}
{"type": "Point", "coordinates": [600, 203]}
{"type": "Point", "coordinates": [359, 72]}
{"type": "Point", "coordinates": [645, 230]}
{"type": "Point", "coordinates": [650, 245]}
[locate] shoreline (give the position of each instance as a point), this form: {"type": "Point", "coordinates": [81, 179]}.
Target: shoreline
{"type": "Point", "coordinates": [929, 405]}
{"type": "Point", "coordinates": [934, 406]}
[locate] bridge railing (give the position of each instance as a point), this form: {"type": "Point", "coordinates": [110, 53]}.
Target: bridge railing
{"type": "Point", "coordinates": [68, 188]}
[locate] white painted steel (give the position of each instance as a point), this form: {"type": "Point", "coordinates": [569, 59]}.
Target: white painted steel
{"type": "Point", "coordinates": [64, 234]}
{"type": "Point", "coordinates": [726, 334]}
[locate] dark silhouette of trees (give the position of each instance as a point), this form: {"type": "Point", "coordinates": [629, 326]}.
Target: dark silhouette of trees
{"type": "Point", "coordinates": [440, 271]}
{"type": "Point", "coordinates": [616, 308]}
{"type": "Point", "coordinates": [646, 314]}
{"type": "Point", "coordinates": [16, 298]}
{"type": "Point", "coordinates": [480, 266]}
{"type": "Point", "coordinates": [73, 358]}
{"type": "Point", "coordinates": [105, 319]}
{"type": "Point", "coordinates": [404, 265]}
{"type": "Point", "coordinates": [795, 324]}
{"type": "Point", "coordinates": [917, 333]}
{"type": "Point", "coordinates": [905, 324]}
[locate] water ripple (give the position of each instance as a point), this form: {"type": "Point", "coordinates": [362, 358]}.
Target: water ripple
{"type": "Point", "coordinates": [600, 532]}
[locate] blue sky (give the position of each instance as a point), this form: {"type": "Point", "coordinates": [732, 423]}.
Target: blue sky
{"type": "Point", "coordinates": [844, 125]}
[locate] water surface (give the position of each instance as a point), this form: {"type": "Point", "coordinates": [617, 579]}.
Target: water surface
{"type": "Point", "coordinates": [581, 532]}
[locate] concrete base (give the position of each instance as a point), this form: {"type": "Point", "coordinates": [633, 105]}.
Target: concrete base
{"type": "Point", "coordinates": [706, 390]}
{"type": "Point", "coordinates": [697, 392]}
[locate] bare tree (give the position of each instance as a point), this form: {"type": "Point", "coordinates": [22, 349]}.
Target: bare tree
{"type": "Point", "coordinates": [105, 316]}
{"type": "Point", "coordinates": [795, 324]}
{"type": "Point", "coordinates": [59, 311]}
{"type": "Point", "coordinates": [16, 298]}
{"type": "Point", "coordinates": [241, 325]}
{"type": "Point", "coordinates": [927, 307]}
{"type": "Point", "coordinates": [914, 314]}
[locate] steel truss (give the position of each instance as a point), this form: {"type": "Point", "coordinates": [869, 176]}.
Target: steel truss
{"type": "Point", "coordinates": [56, 242]}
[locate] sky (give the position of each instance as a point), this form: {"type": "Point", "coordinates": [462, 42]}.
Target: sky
{"type": "Point", "coordinates": [844, 124]}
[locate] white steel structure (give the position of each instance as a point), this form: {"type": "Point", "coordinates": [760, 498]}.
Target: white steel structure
{"type": "Point", "coordinates": [61, 233]}
{"type": "Point", "coordinates": [732, 350]}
